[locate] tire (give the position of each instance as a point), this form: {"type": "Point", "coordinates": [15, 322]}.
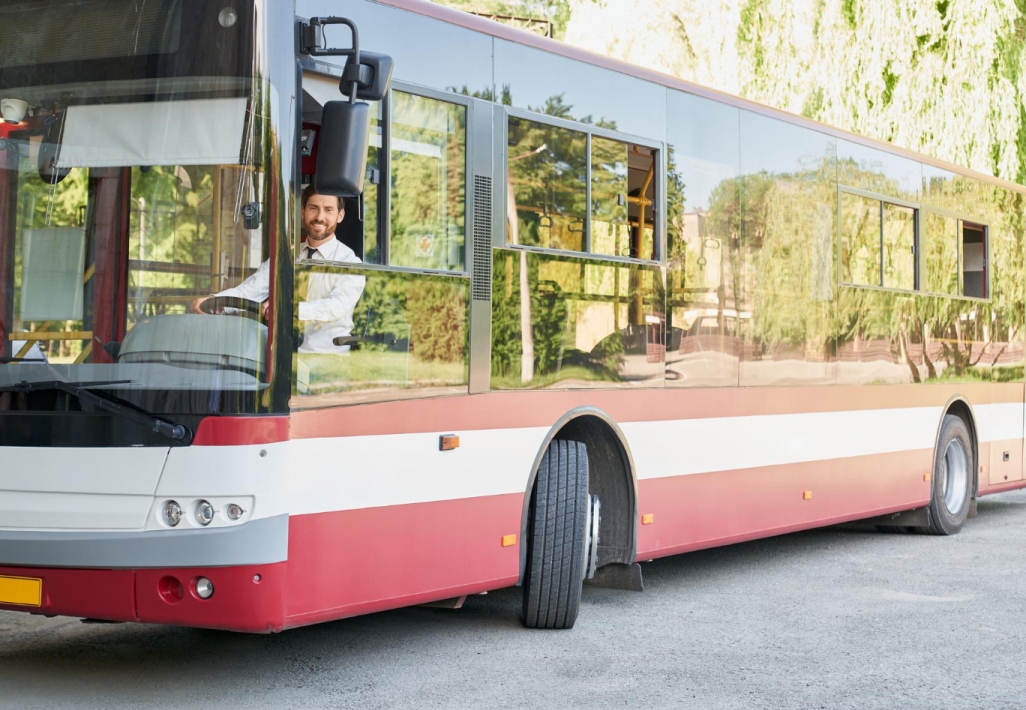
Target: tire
{"type": "Point", "coordinates": [954, 462]}
{"type": "Point", "coordinates": [556, 538]}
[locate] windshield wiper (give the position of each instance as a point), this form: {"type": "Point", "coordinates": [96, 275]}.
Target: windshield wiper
{"type": "Point", "coordinates": [109, 403]}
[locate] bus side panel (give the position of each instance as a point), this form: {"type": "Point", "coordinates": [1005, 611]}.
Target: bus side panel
{"type": "Point", "coordinates": [709, 509]}
{"type": "Point", "coordinates": [351, 562]}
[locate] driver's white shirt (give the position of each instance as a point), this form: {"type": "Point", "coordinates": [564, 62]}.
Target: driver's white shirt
{"type": "Point", "coordinates": [327, 312]}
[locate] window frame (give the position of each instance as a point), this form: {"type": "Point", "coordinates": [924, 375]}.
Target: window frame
{"type": "Point", "coordinates": [658, 208]}
{"type": "Point", "coordinates": [882, 200]}
{"type": "Point", "coordinates": [385, 184]}
{"type": "Point", "coordinates": [920, 209]}
{"type": "Point", "coordinates": [960, 218]}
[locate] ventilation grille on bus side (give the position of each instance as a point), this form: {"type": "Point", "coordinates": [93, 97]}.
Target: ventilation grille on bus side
{"type": "Point", "coordinates": [481, 288]}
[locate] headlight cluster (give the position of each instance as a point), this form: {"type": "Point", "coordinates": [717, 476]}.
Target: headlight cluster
{"type": "Point", "coordinates": [203, 512]}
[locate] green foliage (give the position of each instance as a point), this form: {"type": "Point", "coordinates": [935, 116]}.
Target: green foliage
{"type": "Point", "coordinates": [555, 11]}
{"type": "Point", "coordinates": [438, 323]}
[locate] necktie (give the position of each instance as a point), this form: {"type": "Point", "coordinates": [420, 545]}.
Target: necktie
{"type": "Point", "coordinates": [309, 253]}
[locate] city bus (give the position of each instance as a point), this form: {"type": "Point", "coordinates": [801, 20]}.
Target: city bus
{"type": "Point", "coordinates": [596, 315]}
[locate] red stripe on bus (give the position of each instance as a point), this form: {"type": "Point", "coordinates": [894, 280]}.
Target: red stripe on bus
{"type": "Point", "coordinates": [508, 410]}
{"type": "Point", "coordinates": [352, 562]}
{"type": "Point", "coordinates": [240, 431]}
{"type": "Point", "coordinates": [711, 509]}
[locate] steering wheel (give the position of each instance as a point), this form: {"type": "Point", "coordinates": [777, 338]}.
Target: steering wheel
{"type": "Point", "coordinates": [243, 307]}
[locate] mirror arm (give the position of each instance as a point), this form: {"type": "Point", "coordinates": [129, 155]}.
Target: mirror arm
{"type": "Point", "coordinates": [312, 38]}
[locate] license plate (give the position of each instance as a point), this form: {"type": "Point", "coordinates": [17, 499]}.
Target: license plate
{"type": "Point", "coordinates": [25, 591]}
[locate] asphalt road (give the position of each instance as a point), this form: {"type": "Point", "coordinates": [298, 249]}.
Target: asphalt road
{"type": "Point", "coordinates": [823, 619]}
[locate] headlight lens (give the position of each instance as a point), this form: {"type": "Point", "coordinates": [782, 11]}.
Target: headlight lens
{"type": "Point", "coordinates": [235, 511]}
{"type": "Point", "coordinates": [172, 513]}
{"type": "Point", "coordinates": [204, 512]}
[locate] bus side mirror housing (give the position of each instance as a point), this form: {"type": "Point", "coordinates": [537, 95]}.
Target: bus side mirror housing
{"type": "Point", "coordinates": [342, 149]}
{"type": "Point", "coordinates": [372, 76]}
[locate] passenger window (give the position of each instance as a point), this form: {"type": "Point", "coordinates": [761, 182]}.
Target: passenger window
{"type": "Point", "coordinates": [899, 247]}
{"type": "Point", "coordinates": [974, 260]}
{"type": "Point", "coordinates": [429, 164]}
{"type": "Point", "coordinates": [860, 240]}
{"type": "Point", "coordinates": [623, 199]}
{"type": "Point", "coordinates": [548, 173]}
{"type": "Point", "coordinates": [939, 249]}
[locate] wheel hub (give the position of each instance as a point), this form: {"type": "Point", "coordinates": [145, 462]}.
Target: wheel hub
{"type": "Point", "coordinates": [954, 476]}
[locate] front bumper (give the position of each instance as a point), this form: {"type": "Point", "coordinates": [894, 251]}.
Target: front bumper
{"type": "Point", "coordinates": [247, 598]}
{"type": "Point", "coordinates": [257, 542]}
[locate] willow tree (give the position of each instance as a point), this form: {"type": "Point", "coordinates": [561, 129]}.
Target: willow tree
{"type": "Point", "coordinates": [947, 78]}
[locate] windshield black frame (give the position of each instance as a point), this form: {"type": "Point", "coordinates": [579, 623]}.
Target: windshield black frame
{"type": "Point", "coordinates": [204, 48]}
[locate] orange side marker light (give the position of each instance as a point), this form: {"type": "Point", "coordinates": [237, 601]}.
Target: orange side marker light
{"type": "Point", "coordinates": [648, 518]}
{"type": "Point", "coordinates": [926, 477]}
{"type": "Point", "coordinates": [448, 442]}
{"type": "Point", "coordinates": [509, 540]}
{"type": "Point", "coordinates": [806, 495]}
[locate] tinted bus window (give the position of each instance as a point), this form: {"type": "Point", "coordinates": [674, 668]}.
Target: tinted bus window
{"type": "Point", "coordinates": [860, 240]}
{"type": "Point", "coordinates": [899, 246]}
{"type": "Point", "coordinates": [939, 254]}
{"type": "Point", "coordinates": [622, 199]}
{"type": "Point", "coordinates": [429, 168]}
{"type": "Point", "coordinates": [546, 193]}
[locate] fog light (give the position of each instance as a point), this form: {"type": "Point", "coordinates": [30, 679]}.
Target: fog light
{"type": "Point", "coordinates": [235, 511]}
{"type": "Point", "coordinates": [204, 588]}
{"type": "Point", "coordinates": [172, 513]}
{"type": "Point", "coordinates": [204, 512]}
{"type": "Point", "coordinates": [227, 17]}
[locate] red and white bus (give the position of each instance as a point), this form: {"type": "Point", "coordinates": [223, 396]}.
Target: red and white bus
{"type": "Point", "coordinates": [602, 316]}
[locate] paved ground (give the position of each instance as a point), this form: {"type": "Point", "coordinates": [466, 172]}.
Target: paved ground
{"type": "Point", "coordinates": [826, 619]}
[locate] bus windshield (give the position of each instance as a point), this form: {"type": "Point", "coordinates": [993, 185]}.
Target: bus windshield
{"type": "Point", "coordinates": [129, 189]}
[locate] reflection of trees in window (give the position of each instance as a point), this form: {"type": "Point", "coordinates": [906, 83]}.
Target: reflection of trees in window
{"type": "Point", "coordinates": [939, 253]}
{"type": "Point", "coordinates": [428, 182]}
{"type": "Point", "coordinates": [899, 239]}
{"type": "Point", "coordinates": [579, 322]}
{"type": "Point", "coordinates": [860, 240]}
{"type": "Point", "coordinates": [548, 172]}
{"type": "Point", "coordinates": [609, 233]}
{"type": "Point", "coordinates": [409, 334]}
{"type": "Point", "coordinates": [788, 222]}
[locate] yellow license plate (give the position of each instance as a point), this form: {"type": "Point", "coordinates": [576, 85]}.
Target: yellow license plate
{"type": "Point", "coordinates": [26, 591]}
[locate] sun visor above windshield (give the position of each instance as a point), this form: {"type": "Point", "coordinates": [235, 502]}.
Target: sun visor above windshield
{"type": "Point", "coordinates": [200, 132]}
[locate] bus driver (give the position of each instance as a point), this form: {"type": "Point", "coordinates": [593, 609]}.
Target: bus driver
{"type": "Point", "coordinates": [328, 311]}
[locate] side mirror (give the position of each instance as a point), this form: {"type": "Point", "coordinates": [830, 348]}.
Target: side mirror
{"type": "Point", "coordinates": [372, 76]}
{"type": "Point", "coordinates": [342, 149]}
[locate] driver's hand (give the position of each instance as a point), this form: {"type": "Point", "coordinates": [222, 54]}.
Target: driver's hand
{"type": "Point", "coordinates": [195, 307]}
{"type": "Point", "coordinates": [263, 308]}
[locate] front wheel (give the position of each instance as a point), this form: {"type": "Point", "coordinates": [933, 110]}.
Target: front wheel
{"type": "Point", "coordinates": [557, 536]}
{"type": "Point", "coordinates": [952, 478]}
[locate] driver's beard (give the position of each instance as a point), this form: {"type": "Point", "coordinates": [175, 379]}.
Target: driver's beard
{"type": "Point", "coordinates": [329, 231]}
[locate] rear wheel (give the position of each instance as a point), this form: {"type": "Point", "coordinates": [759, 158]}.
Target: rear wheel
{"type": "Point", "coordinates": [952, 478]}
{"type": "Point", "coordinates": [557, 537]}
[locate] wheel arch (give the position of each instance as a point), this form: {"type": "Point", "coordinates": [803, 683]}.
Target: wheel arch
{"type": "Point", "coordinates": [611, 475]}
{"type": "Point", "coordinates": [960, 407]}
